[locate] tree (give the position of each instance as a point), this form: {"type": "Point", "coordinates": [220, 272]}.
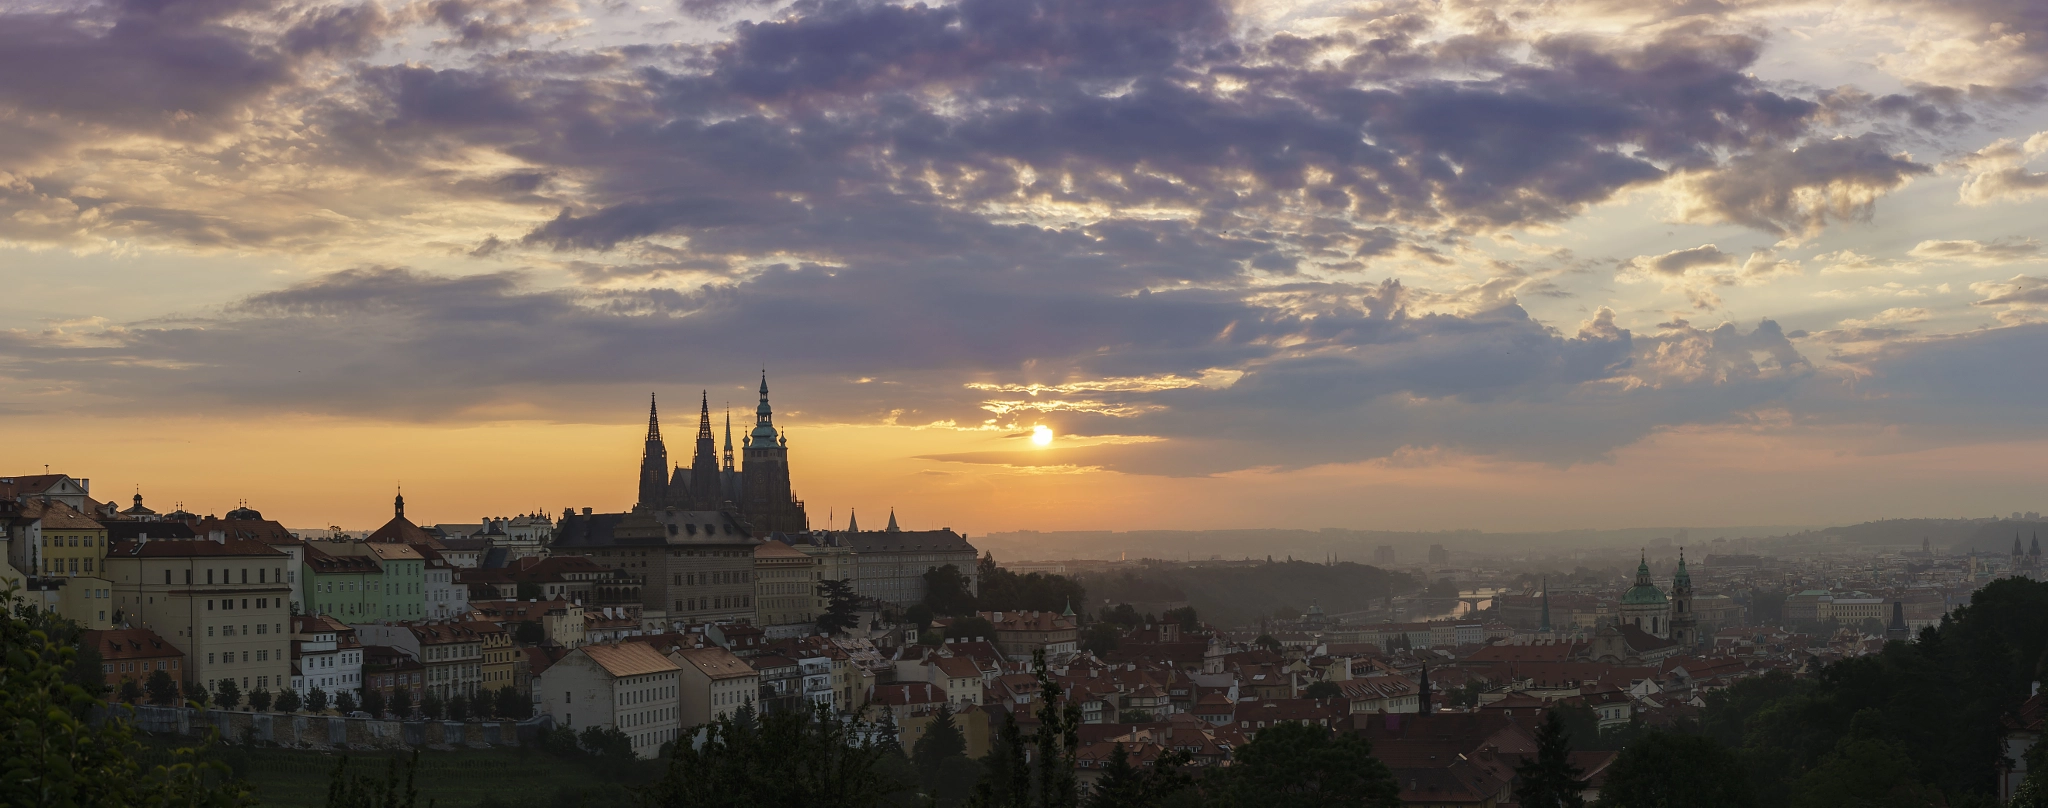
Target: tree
{"type": "Point", "coordinates": [163, 691]}
{"type": "Point", "coordinates": [526, 590]}
{"type": "Point", "coordinates": [919, 615]}
{"type": "Point", "coordinates": [196, 693]}
{"type": "Point", "coordinates": [1323, 690]}
{"type": "Point", "coordinates": [373, 702]}
{"type": "Point", "coordinates": [1290, 765]}
{"type": "Point", "coordinates": [52, 755]}
{"type": "Point", "coordinates": [431, 705]}
{"type": "Point", "coordinates": [841, 606]}
{"type": "Point", "coordinates": [131, 692]}
{"type": "Point", "coordinates": [227, 694]}
{"type": "Point", "coordinates": [1122, 785]}
{"type": "Point", "coordinates": [1549, 780]}
{"type": "Point", "coordinates": [946, 591]}
{"type": "Point", "coordinates": [1443, 589]}
{"type": "Point", "coordinates": [1057, 741]}
{"type": "Point", "coordinates": [1101, 638]}
{"type": "Point", "coordinates": [1185, 616]}
{"type": "Point", "coordinates": [1006, 782]}
{"type": "Point", "coordinates": [1267, 642]}
{"type": "Point", "coordinates": [401, 703]}
{"type": "Point", "coordinates": [316, 700]}
{"type": "Point", "coordinates": [527, 633]}
{"type": "Point", "coordinates": [971, 628]}
{"type": "Point", "coordinates": [288, 701]}
{"type": "Point", "coordinates": [513, 705]}
{"type": "Point", "coordinates": [259, 700]}
{"type": "Point", "coordinates": [1135, 716]}
{"type": "Point", "coordinates": [943, 739]}
{"type": "Point", "coordinates": [942, 763]}
{"type": "Point", "coordinates": [1669, 770]}
{"type": "Point", "coordinates": [345, 790]}
{"type": "Point", "coordinates": [1864, 771]}
{"type": "Point", "coordinates": [1004, 591]}
{"type": "Point", "coordinates": [1123, 615]}
{"type": "Point", "coordinates": [606, 743]}
{"type": "Point", "coordinates": [458, 707]}
{"type": "Point", "coordinates": [785, 758]}
{"type": "Point", "coordinates": [345, 702]}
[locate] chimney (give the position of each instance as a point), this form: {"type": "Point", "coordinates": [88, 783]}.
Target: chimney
{"type": "Point", "coordinates": [217, 537]}
{"type": "Point", "coordinates": [586, 511]}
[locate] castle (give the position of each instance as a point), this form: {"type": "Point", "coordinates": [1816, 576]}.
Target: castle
{"type": "Point", "coordinates": [758, 491]}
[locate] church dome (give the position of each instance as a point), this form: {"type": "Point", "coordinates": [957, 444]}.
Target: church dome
{"type": "Point", "coordinates": [1644, 593]}
{"type": "Point", "coordinates": [245, 513]}
{"type": "Point", "coordinates": [1642, 596]}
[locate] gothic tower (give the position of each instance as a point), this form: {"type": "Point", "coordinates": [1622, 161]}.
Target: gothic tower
{"type": "Point", "coordinates": [1543, 628]}
{"type": "Point", "coordinates": [768, 505]}
{"type": "Point", "coordinates": [705, 491]}
{"type": "Point", "coordinates": [653, 463]}
{"type": "Point", "coordinates": [1684, 624]}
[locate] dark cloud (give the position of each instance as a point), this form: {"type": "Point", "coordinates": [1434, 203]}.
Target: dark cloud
{"type": "Point", "coordinates": [1794, 192]}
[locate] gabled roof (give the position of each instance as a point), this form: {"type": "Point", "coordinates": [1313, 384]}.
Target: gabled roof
{"type": "Point", "coordinates": [715, 662]}
{"type": "Point", "coordinates": [628, 659]}
{"type": "Point", "coordinates": [56, 515]}
{"type": "Point", "coordinates": [130, 643]}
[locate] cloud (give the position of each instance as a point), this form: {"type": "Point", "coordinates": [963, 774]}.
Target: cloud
{"type": "Point", "coordinates": [2018, 296]}
{"type": "Point", "coordinates": [1977, 252]}
{"type": "Point", "coordinates": [1998, 172]}
{"type": "Point", "coordinates": [1794, 193]}
{"type": "Point", "coordinates": [1890, 317]}
{"type": "Point", "coordinates": [1677, 262]}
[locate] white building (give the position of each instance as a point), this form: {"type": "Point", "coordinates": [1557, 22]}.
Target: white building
{"type": "Point", "coordinates": [446, 599]}
{"type": "Point", "coordinates": [326, 655]}
{"type": "Point", "coordinates": [629, 686]}
{"type": "Point", "coordinates": [714, 684]}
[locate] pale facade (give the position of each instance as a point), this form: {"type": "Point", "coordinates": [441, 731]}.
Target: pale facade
{"type": "Point", "coordinates": [714, 684]}
{"type": "Point", "coordinates": [226, 604]}
{"type": "Point", "coordinates": [630, 687]}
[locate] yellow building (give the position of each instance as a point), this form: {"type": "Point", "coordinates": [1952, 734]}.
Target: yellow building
{"type": "Point", "coordinates": [72, 543]}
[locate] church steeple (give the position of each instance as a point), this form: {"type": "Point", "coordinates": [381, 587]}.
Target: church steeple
{"type": "Point", "coordinates": [398, 505]}
{"type": "Point", "coordinates": [706, 492]}
{"type": "Point", "coordinates": [653, 463]}
{"type": "Point", "coordinates": [728, 438]}
{"type": "Point", "coordinates": [852, 524]}
{"type": "Point", "coordinates": [892, 528]}
{"type": "Point", "coordinates": [1544, 626]}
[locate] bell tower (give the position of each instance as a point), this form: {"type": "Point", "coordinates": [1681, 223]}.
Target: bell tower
{"type": "Point", "coordinates": [1684, 624]}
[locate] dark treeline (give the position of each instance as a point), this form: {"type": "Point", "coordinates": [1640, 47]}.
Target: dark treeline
{"type": "Point", "coordinates": [1229, 595]}
{"type": "Point", "coordinates": [947, 593]}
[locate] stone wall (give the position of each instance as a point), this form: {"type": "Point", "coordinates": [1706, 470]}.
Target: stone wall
{"type": "Point", "coordinates": [325, 731]}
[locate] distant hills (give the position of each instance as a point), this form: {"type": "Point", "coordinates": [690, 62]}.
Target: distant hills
{"type": "Point", "coordinates": [1412, 547]}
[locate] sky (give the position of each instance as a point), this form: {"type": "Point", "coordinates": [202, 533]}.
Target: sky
{"type": "Point", "coordinates": [1037, 264]}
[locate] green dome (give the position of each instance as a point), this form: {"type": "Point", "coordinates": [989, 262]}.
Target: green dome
{"type": "Point", "coordinates": [1642, 595]}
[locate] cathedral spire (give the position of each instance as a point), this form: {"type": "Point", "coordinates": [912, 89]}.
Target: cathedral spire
{"type": "Point", "coordinates": [892, 528]}
{"type": "Point", "coordinates": [852, 523]}
{"type": "Point", "coordinates": [654, 474]}
{"type": "Point", "coordinates": [704, 417]}
{"type": "Point", "coordinates": [728, 437]}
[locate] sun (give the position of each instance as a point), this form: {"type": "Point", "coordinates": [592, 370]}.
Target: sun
{"type": "Point", "coordinates": [1041, 435]}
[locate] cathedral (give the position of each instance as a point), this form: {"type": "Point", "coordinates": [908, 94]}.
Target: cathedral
{"type": "Point", "coordinates": [1645, 607]}
{"type": "Point", "coordinates": [758, 491]}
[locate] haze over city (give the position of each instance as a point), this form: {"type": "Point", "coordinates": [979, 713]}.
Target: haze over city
{"type": "Point", "coordinates": [1060, 265]}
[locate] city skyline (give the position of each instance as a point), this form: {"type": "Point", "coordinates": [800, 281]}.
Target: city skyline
{"type": "Point", "coordinates": [1039, 265]}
